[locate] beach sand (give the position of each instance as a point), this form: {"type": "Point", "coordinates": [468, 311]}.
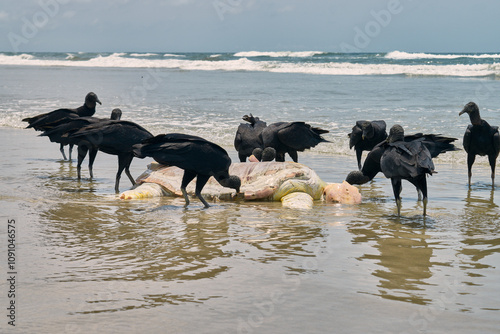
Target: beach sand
{"type": "Point", "coordinates": [88, 261]}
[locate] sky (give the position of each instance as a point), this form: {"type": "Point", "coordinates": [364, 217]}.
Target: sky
{"type": "Point", "coordinates": [249, 25]}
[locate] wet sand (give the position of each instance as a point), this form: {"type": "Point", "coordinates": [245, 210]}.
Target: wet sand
{"type": "Point", "coordinates": [89, 262]}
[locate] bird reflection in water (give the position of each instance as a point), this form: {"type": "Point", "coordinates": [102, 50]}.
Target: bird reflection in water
{"type": "Point", "coordinates": [403, 260]}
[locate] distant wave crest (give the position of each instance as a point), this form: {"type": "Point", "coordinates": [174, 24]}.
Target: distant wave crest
{"type": "Point", "coordinates": [377, 65]}
{"type": "Point", "coordinates": [407, 55]}
{"type": "Point", "coordinates": [278, 54]}
{"type": "Point", "coordinates": [15, 58]}
{"type": "Point", "coordinates": [143, 54]}
{"type": "Point", "coordinates": [172, 55]}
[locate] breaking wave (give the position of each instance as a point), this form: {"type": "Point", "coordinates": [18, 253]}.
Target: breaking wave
{"type": "Point", "coordinates": [407, 55]}
{"type": "Point", "coordinates": [329, 64]}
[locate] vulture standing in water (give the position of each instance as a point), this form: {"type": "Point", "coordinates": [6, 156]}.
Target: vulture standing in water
{"type": "Point", "coordinates": [403, 160]}
{"type": "Point", "coordinates": [290, 137]}
{"type": "Point", "coordinates": [248, 136]}
{"type": "Point", "coordinates": [480, 138]}
{"type": "Point", "coordinates": [116, 138]}
{"type": "Point", "coordinates": [435, 144]}
{"type": "Point", "coordinates": [61, 134]}
{"type": "Point", "coordinates": [49, 120]}
{"type": "Point", "coordinates": [365, 136]}
{"type": "Point", "coordinates": [196, 156]}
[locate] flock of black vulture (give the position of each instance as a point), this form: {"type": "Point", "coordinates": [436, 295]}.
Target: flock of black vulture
{"type": "Point", "coordinates": [398, 156]}
{"type": "Point", "coordinates": [402, 157]}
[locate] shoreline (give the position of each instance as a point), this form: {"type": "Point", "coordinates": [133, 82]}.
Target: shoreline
{"type": "Point", "coordinates": [321, 163]}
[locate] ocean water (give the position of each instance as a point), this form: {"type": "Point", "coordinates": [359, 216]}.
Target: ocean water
{"type": "Point", "coordinates": [87, 261]}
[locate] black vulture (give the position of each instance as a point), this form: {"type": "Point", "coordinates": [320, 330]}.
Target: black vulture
{"type": "Point", "coordinates": [117, 138]}
{"type": "Point", "coordinates": [248, 136]}
{"type": "Point", "coordinates": [403, 160]}
{"type": "Point", "coordinates": [436, 144]}
{"type": "Point", "coordinates": [480, 138]}
{"type": "Point", "coordinates": [371, 166]}
{"type": "Point", "coordinates": [365, 136]}
{"type": "Point", "coordinates": [290, 137]}
{"type": "Point", "coordinates": [61, 134]}
{"type": "Point", "coordinates": [196, 156]}
{"type": "Point", "coordinates": [49, 120]}
{"type": "Point", "coordinates": [267, 154]}
{"type": "Point", "coordinates": [257, 153]}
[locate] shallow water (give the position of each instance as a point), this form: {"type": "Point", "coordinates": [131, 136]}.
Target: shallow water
{"type": "Point", "coordinates": [89, 262]}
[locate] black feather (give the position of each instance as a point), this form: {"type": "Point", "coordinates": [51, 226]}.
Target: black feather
{"type": "Point", "coordinates": [291, 137]}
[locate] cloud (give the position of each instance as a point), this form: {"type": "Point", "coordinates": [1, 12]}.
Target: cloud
{"type": "Point", "coordinates": [4, 16]}
{"type": "Point", "coordinates": [177, 2]}
{"type": "Point", "coordinates": [287, 8]}
{"type": "Point", "coordinates": [181, 2]}
{"type": "Point", "coordinates": [69, 14]}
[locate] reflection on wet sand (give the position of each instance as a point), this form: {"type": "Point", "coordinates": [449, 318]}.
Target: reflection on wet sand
{"type": "Point", "coordinates": [479, 230]}
{"type": "Point", "coordinates": [278, 234]}
{"type": "Point", "coordinates": [404, 258]}
{"type": "Point", "coordinates": [111, 243]}
{"type": "Point", "coordinates": [104, 240]}
{"type": "Point", "coordinates": [408, 252]}
{"type": "Point", "coordinates": [138, 255]}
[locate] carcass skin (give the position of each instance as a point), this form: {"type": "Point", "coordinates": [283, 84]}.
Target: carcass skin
{"type": "Point", "coordinates": [260, 181]}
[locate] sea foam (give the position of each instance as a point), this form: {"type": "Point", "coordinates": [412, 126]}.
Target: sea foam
{"type": "Point", "coordinates": [278, 54]}
{"type": "Point", "coordinates": [215, 63]}
{"type": "Point", "coordinates": [419, 55]}
{"type": "Point", "coordinates": [143, 54]}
